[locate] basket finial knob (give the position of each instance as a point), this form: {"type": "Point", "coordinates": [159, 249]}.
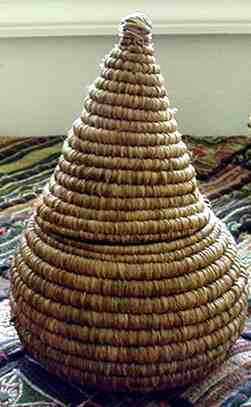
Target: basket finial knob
{"type": "Point", "coordinates": [137, 27]}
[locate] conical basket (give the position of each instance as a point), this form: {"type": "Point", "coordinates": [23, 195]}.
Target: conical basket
{"type": "Point", "coordinates": [125, 278]}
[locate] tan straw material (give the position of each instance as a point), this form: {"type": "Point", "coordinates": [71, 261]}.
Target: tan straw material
{"type": "Point", "coordinates": [124, 277]}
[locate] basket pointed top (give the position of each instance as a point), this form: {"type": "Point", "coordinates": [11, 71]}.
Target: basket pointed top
{"type": "Point", "coordinates": [136, 27]}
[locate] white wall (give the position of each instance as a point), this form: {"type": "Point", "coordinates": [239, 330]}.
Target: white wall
{"type": "Point", "coordinates": [43, 81]}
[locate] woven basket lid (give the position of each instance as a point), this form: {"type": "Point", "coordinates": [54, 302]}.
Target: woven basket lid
{"type": "Point", "coordinates": [124, 277]}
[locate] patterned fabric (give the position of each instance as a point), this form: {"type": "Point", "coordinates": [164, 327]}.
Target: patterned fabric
{"type": "Point", "coordinates": [224, 173]}
{"type": "Point", "coordinates": [25, 166]}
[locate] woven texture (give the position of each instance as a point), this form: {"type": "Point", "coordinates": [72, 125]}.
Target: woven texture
{"type": "Point", "coordinates": [124, 277]}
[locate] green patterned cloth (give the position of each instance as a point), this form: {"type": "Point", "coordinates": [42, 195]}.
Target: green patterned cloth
{"type": "Point", "coordinates": [224, 173]}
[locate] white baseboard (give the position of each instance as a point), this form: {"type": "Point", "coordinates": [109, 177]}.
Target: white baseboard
{"type": "Point", "coordinates": [29, 18]}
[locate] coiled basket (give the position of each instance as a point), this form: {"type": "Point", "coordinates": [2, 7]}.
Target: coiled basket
{"type": "Point", "coordinates": [125, 278]}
